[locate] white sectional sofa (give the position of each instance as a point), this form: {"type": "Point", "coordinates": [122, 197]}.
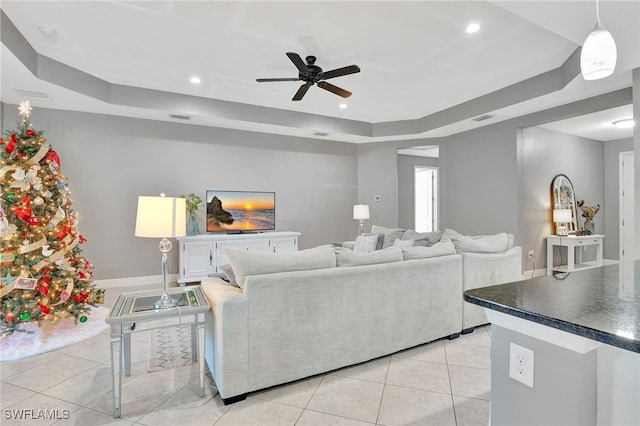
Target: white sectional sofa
{"type": "Point", "coordinates": [294, 315]}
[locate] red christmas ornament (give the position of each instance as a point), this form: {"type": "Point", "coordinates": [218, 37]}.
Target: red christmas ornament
{"type": "Point", "coordinates": [80, 297]}
{"type": "Point", "coordinates": [53, 156]}
{"type": "Point", "coordinates": [44, 290]}
{"type": "Point", "coordinates": [12, 144]}
{"type": "Point", "coordinates": [60, 235]}
{"type": "Point", "coordinates": [45, 309]}
{"type": "Point", "coordinates": [30, 133]}
{"type": "Point", "coordinates": [33, 221]}
{"type": "Point", "coordinates": [46, 279]}
{"type": "Point", "coordinates": [9, 316]}
{"type": "Point", "coordinates": [24, 213]}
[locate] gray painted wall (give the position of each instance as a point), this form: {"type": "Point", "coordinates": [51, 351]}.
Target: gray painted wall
{"type": "Point", "coordinates": [612, 150]}
{"type": "Point", "coordinates": [564, 384]}
{"type": "Point", "coordinates": [110, 161]}
{"type": "Point", "coordinates": [547, 153]}
{"type": "Point", "coordinates": [406, 187]}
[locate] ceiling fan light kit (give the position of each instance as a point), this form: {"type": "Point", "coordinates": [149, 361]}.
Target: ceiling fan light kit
{"type": "Point", "coordinates": [599, 54]}
{"type": "Point", "coordinates": [312, 74]}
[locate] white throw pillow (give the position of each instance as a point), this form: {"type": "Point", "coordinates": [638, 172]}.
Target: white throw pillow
{"type": "Point", "coordinates": [247, 262]}
{"type": "Point", "coordinates": [227, 270]}
{"type": "Point", "coordinates": [403, 243]}
{"type": "Point", "coordinates": [346, 257]}
{"type": "Point", "coordinates": [442, 248]}
{"type": "Point", "coordinates": [366, 242]}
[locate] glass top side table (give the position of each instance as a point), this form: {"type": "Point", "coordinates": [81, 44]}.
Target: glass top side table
{"type": "Point", "coordinates": [134, 311]}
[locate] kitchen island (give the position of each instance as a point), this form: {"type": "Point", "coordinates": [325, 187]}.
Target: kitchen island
{"type": "Point", "coordinates": [565, 348]}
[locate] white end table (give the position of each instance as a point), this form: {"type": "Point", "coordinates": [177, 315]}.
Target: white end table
{"type": "Point", "coordinates": [574, 258]}
{"type": "Point", "coordinates": [133, 311]}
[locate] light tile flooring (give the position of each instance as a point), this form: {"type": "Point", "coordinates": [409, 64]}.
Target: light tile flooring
{"type": "Point", "coordinates": [440, 383]}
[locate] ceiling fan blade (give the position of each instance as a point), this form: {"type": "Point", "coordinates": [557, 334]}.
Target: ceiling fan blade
{"type": "Point", "coordinates": [298, 62]}
{"type": "Point", "coordinates": [351, 69]}
{"type": "Point", "coordinates": [334, 89]}
{"type": "Point", "coordinates": [301, 91]}
{"type": "Point", "coordinates": [262, 80]}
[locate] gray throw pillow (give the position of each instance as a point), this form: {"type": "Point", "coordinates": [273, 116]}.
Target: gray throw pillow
{"type": "Point", "coordinates": [390, 234]}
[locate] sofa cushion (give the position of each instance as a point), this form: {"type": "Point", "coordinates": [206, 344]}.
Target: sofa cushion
{"type": "Point", "coordinates": [422, 238]}
{"type": "Point", "coordinates": [366, 242]}
{"type": "Point", "coordinates": [390, 234]}
{"type": "Point", "coordinates": [346, 257]}
{"type": "Point", "coordinates": [479, 244]}
{"type": "Point", "coordinates": [247, 262]}
{"type": "Point", "coordinates": [442, 248]}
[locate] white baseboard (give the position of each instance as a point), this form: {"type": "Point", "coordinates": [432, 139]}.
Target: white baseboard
{"type": "Point", "coordinates": [526, 275]}
{"type": "Point", "coordinates": [172, 280]}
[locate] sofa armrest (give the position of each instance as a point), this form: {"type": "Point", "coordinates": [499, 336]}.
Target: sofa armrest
{"type": "Point", "coordinates": [226, 338]}
{"type": "Point", "coordinates": [486, 269]}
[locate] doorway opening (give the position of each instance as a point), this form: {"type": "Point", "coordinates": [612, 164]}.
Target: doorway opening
{"type": "Point", "coordinates": [426, 198]}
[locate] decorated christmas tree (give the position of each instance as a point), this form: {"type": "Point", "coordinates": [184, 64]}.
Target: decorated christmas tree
{"type": "Point", "coordinates": [44, 276]}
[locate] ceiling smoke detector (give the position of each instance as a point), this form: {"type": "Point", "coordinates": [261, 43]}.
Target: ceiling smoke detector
{"type": "Point", "coordinates": [47, 31]}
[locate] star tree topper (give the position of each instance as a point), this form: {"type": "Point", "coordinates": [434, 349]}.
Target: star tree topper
{"type": "Point", "coordinates": [24, 110]}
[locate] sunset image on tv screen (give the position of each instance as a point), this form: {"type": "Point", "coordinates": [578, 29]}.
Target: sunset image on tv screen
{"type": "Point", "coordinates": [240, 211]}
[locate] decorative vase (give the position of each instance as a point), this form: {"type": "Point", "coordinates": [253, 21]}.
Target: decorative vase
{"type": "Point", "coordinates": [588, 226]}
{"type": "Point", "coordinates": [192, 226]}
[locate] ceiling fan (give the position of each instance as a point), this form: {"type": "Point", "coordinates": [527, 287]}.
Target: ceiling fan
{"type": "Point", "coordinates": [312, 74]}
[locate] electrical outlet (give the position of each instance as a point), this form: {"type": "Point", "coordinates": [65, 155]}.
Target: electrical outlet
{"type": "Point", "coordinates": [521, 364]}
{"type": "Point", "coordinates": [531, 254]}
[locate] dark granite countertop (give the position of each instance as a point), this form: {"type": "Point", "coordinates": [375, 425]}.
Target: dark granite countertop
{"type": "Point", "coordinates": [591, 303]}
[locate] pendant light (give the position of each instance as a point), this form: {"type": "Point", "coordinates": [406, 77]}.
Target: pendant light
{"type": "Point", "coordinates": [599, 54]}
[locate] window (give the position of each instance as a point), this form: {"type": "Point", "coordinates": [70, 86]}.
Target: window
{"type": "Point", "coordinates": [426, 199]}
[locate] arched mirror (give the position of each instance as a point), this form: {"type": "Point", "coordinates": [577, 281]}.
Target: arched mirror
{"type": "Point", "coordinates": [563, 199]}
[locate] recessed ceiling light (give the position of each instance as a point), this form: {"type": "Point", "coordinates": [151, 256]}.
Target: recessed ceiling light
{"type": "Point", "coordinates": [195, 80]}
{"type": "Point", "coordinates": [627, 123]}
{"type": "Point", "coordinates": [47, 31]}
{"type": "Point", "coordinates": [342, 106]}
{"type": "Point", "coordinates": [472, 28]}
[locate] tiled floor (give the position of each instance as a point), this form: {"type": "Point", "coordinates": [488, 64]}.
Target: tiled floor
{"type": "Point", "coordinates": [440, 383]}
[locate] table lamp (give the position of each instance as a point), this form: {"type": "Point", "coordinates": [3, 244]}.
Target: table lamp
{"type": "Point", "coordinates": [561, 217]}
{"type": "Point", "coordinates": [361, 212]}
{"type": "Point", "coordinates": [162, 217]}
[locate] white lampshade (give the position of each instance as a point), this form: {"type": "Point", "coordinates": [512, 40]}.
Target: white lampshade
{"type": "Point", "coordinates": [599, 54]}
{"type": "Point", "coordinates": [161, 217]}
{"type": "Point", "coordinates": [562, 215]}
{"type": "Point", "coordinates": [361, 212]}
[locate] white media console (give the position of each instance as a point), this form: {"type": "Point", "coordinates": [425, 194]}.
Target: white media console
{"type": "Point", "coordinates": [202, 255]}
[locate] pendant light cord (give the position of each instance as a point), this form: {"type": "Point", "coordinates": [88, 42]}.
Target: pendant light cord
{"type": "Point", "coordinates": [598, 24]}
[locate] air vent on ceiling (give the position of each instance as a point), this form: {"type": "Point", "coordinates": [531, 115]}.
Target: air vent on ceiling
{"type": "Point", "coordinates": [32, 94]}
{"type": "Point", "coordinates": [483, 117]}
{"type": "Point", "coordinates": [180, 116]}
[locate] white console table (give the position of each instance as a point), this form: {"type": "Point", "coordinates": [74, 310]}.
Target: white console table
{"type": "Point", "coordinates": [574, 257]}
{"type": "Point", "coordinates": [202, 255]}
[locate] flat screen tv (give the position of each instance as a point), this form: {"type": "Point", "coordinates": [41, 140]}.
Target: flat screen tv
{"type": "Point", "coordinates": [240, 211]}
